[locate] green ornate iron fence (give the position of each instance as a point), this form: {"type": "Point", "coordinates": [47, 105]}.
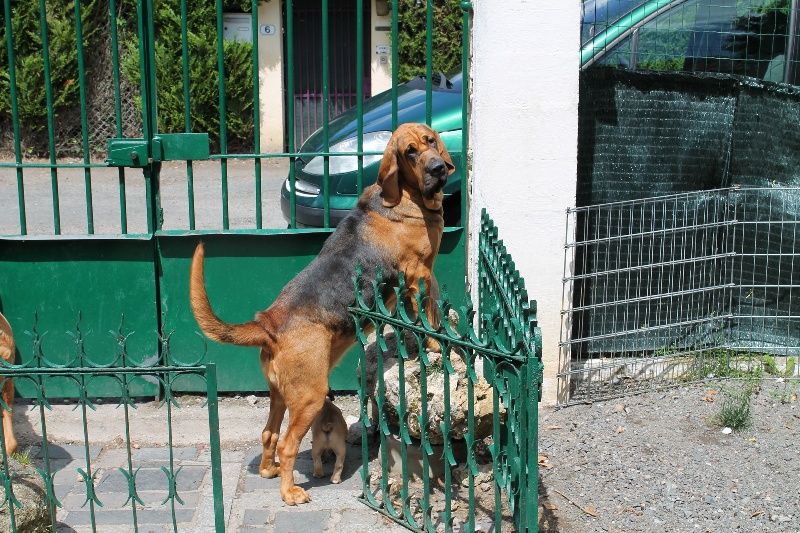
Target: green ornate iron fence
{"type": "Point", "coordinates": [427, 415]}
{"type": "Point", "coordinates": [127, 377]}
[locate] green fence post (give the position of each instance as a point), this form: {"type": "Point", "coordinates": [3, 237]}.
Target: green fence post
{"type": "Point", "coordinates": [87, 173]}
{"type": "Point", "coordinates": [51, 136]}
{"type": "Point", "coordinates": [112, 17]}
{"type": "Point", "coordinates": [216, 455]}
{"type": "Point", "coordinates": [223, 127]}
{"type": "Point", "coordinates": [12, 82]}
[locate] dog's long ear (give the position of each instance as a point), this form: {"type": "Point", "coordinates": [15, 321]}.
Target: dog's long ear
{"type": "Point", "coordinates": [444, 153]}
{"type": "Point", "coordinates": [388, 176]}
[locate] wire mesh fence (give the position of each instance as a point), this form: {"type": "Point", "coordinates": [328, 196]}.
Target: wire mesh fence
{"type": "Point", "coordinates": [680, 288]}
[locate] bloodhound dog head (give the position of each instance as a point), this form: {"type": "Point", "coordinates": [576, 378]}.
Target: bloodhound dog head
{"type": "Point", "coordinates": [417, 159]}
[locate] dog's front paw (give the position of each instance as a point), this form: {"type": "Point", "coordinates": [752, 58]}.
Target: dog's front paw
{"type": "Point", "coordinates": [270, 471]}
{"type": "Point", "coordinates": [318, 473]}
{"type": "Point", "coordinates": [336, 478]}
{"type": "Point", "coordinates": [295, 496]}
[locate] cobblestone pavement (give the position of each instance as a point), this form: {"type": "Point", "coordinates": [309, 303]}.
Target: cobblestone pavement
{"type": "Point", "coordinates": [252, 504]}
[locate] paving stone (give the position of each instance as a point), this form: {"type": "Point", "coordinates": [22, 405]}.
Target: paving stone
{"type": "Point", "coordinates": [162, 454]}
{"type": "Point", "coordinates": [123, 517]}
{"type": "Point", "coordinates": [296, 521]}
{"type": "Point", "coordinates": [70, 452]}
{"type": "Point", "coordinates": [364, 520]}
{"type": "Point", "coordinates": [112, 458]}
{"type": "Point", "coordinates": [230, 479]}
{"type": "Point", "coordinates": [255, 517]}
{"type": "Point", "coordinates": [110, 500]}
{"type": "Point", "coordinates": [66, 478]}
{"type": "Point", "coordinates": [188, 478]}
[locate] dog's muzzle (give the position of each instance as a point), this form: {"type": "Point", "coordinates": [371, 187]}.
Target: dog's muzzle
{"type": "Point", "coordinates": [435, 177]}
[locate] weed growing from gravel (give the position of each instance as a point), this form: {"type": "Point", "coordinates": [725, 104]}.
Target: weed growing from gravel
{"type": "Point", "coordinates": [724, 363]}
{"type": "Point", "coordinates": [771, 367]}
{"type": "Point", "coordinates": [788, 393]}
{"type": "Point", "coordinates": [23, 458]}
{"type": "Point", "coordinates": [735, 411]}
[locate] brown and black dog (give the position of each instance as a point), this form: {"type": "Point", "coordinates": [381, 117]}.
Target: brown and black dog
{"type": "Point", "coordinates": [7, 352]}
{"type": "Point", "coordinates": [397, 226]}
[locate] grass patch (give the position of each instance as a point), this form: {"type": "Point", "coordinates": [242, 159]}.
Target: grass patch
{"type": "Point", "coordinates": [770, 367]}
{"type": "Point", "coordinates": [735, 412]}
{"type": "Point", "coordinates": [786, 392]}
{"type": "Point", "coordinates": [23, 458]}
{"type": "Point", "coordinates": [723, 363]}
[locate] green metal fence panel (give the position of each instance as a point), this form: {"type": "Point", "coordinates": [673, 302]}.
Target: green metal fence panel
{"type": "Point", "coordinates": [93, 282]}
{"type": "Point", "coordinates": [419, 423]}
{"type": "Point", "coordinates": [125, 374]}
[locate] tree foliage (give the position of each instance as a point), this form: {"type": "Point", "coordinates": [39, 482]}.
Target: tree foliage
{"type": "Point", "coordinates": [29, 58]}
{"type": "Point", "coordinates": [412, 31]}
{"type": "Point", "coordinates": [204, 105]}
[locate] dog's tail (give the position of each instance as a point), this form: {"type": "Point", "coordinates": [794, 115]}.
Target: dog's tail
{"type": "Point", "coordinates": [247, 334]}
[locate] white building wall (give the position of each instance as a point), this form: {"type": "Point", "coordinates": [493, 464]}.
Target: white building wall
{"type": "Point", "coordinates": [270, 78]}
{"type": "Point", "coordinates": [523, 141]}
{"type": "Point", "coordinates": [381, 64]}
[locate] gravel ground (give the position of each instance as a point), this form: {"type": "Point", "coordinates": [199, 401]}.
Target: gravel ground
{"type": "Point", "coordinates": [661, 462]}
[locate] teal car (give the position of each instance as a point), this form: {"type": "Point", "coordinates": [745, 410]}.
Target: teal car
{"type": "Point", "coordinates": [756, 38]}
{"type": "Point", "coordinates": [309, 172]}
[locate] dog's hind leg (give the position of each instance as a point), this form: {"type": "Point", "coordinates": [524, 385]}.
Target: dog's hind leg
{"type": "Point", "coordinates": [269, 437]}
{"type": "Point", "coordinates": [341, 452]}
{"type": "Point", "coordinates": [303, 375]}
{"type": "Point", "coordinates": [8, 428]}
{"type": "Point", "coordinates": [316, 455]}
{"type": "Point", "coordinates": [302, 413]}
{"type": "Point", "coordinates": [277, 408]}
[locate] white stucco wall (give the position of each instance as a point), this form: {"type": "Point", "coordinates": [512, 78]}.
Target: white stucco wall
{"type": "Point", "coordinates": [380, 72]}
{"type": "Point", "coordinates": [523, 140]}
{"type": "Point", "coordinates": [270, 78]}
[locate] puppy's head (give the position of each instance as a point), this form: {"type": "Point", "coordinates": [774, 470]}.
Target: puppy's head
{"type": "Point", "coordinates": [415, 158]}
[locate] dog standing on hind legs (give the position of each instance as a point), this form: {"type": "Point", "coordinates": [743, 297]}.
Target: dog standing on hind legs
{"type": "Point", "coordinates": [7, 352]}
{"type": "Point", "coordinates": [396, 225]}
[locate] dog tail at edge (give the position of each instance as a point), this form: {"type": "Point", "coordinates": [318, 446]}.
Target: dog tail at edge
{"type": "Point", "coordinates": [247, 334]}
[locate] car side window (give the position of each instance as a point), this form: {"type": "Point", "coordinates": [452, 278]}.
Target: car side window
{"type": "Point", "coordinates": [729, 36]}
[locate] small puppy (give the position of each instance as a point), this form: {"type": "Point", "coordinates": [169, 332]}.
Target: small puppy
{"type": "Point", "coordinates": [7, 352]}
{"type": "Point", "coordinates": [328, 432]}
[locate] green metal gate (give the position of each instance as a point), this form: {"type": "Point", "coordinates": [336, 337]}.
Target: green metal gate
{"type": "Point", "coordinates": [114, 113]}
{"type": "Point", "coordinates": [127, 71]}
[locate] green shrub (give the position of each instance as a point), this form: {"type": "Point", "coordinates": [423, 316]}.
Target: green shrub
{"type": "Point", "coordinates": [29, 59]}
{"type": "Point", "coordinates": [411, 47]}
{"type": "Point", "coordinates": [203, 72]}
{"type": "Point", "coordinates": [735, 411]}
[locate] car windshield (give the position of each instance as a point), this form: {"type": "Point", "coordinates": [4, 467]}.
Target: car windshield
{"type": "Point", "coordinates": [597, 15]}
{"type": "Point", "coordinates": [740, 37]}
{"type": "Point", "coordinates": [450, 81]}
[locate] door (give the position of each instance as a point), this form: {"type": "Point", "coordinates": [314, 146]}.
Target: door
{"type": "Point", "coordinates": [311, 59]}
